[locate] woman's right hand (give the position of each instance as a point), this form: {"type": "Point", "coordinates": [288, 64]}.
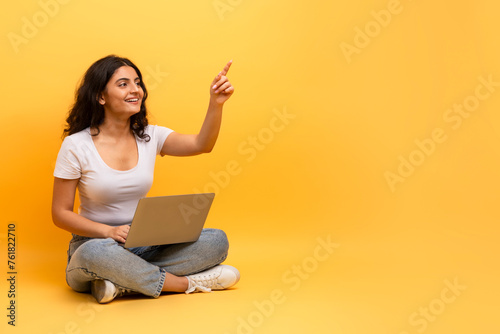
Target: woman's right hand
{"type": "Point", "coordinates": [119, 233]}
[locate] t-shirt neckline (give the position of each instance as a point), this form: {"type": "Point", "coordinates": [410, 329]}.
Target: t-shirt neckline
{"type": "Point", "coordinates": [105, 164]}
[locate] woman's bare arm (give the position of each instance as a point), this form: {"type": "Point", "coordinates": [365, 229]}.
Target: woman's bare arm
{"type": "Point", "coordinates": [178, 144]}
{"type": "Point", "coordinates": [63, 199]}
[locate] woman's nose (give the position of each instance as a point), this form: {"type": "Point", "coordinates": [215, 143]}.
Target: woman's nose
{"type": "Point", "coordinates": [134, 88]}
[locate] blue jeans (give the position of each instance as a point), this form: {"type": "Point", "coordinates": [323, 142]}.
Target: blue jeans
{"type": "Point", "coordinates": [141, 269]}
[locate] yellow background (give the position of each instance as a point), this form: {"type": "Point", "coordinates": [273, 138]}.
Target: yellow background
{"type": "Point", "coordinates": [322, 175]}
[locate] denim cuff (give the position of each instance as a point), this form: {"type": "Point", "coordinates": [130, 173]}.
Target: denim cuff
{"type": "Point", "coordinates": [160, 284]}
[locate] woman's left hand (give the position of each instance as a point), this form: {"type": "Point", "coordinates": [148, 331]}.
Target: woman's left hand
{"type": "Point", "coordinates": [221, 89]}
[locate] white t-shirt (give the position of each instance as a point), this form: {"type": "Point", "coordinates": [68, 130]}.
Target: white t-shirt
{"type": "Point", "coordinates": [107, 195]}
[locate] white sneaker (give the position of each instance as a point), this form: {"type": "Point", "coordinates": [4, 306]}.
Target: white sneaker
{"type": "Point", "coordinates": [105, 291]}
{"type": "Point", "coordinates": [217, 278]}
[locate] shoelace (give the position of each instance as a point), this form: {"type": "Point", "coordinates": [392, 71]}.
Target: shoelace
{"type": "Point", "coordinates": [203, 282]}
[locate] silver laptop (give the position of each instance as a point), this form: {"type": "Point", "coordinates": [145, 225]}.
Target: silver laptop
{"type": "Point", "coordinates": [169, 219]}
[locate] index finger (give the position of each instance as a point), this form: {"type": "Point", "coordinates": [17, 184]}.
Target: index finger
{"type": "Point", "coordinates": [226, 68]}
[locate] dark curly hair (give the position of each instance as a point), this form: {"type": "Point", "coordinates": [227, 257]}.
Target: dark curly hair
{"type": "Point", "coordinates": [88, 112]}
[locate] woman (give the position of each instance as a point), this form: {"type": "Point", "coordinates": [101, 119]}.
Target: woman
{"type": "Point", "coordinates": [108, 153]}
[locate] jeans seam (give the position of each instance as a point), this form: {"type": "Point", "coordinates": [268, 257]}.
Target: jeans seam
{"type": "Point", "coordinates": [160, 284]}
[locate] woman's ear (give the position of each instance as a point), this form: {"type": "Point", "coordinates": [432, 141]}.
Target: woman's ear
{"type": "Point", "coordinates": [100, 99]}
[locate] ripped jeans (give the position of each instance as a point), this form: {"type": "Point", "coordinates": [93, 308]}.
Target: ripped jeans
{"type": "Point", "coordinates": [141, 269]}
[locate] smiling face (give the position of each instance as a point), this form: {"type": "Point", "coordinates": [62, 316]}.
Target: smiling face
{"type": "Point", "coordinates": [123, 94]}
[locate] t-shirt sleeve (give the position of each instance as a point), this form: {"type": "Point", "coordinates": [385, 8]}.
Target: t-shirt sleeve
{"type": "Point", "coordinates": [67, 163]}
{"type": "Point", "coordinates": [161, 133]}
